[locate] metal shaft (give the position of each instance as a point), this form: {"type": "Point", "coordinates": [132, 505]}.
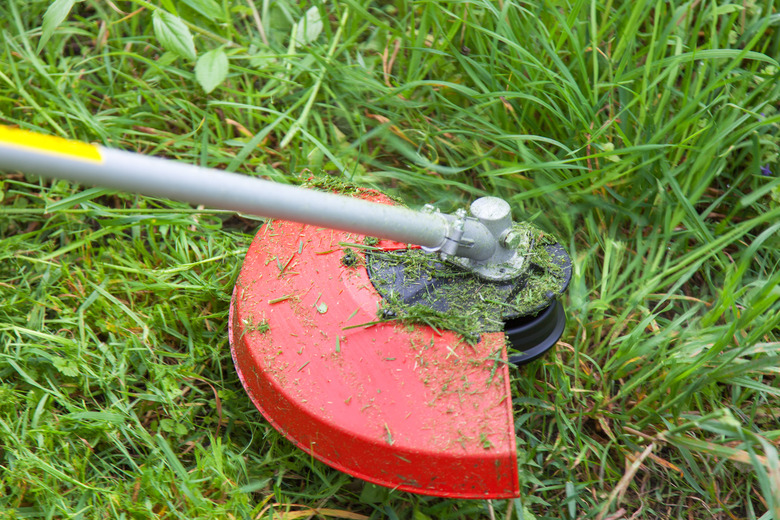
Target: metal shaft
{"type": "Point", "coordinates": [125, 171]}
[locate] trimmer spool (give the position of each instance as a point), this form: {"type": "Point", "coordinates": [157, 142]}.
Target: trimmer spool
{"type": "Point", "coordinates": [381, 359]}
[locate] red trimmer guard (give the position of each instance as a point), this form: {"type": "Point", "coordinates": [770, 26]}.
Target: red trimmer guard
{"type": "Point", "coordinates": [406, 407]}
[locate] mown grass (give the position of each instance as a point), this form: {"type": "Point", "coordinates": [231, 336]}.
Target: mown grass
{"type": "Point", "coordinates": [646, 134]}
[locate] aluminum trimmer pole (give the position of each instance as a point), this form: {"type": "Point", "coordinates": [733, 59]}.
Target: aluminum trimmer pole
{"type": "Point", "coordinates": [58, 158]}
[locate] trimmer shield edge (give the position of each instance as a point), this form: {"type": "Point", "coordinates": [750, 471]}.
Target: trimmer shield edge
{"type": "Point", "coordinates": [407, 407]}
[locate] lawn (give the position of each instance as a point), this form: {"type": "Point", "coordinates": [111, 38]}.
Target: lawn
{"type": "Point", "coordinates": [646, 135]}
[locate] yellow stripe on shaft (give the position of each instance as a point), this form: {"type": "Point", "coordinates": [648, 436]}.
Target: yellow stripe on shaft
{"type": "Point", "coordinates": [49, 144]}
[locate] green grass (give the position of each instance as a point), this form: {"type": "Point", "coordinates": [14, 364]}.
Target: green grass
{"type": "Point", "coordinates": [635, 130]}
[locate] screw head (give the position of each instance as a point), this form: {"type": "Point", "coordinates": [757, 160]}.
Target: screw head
{"type": "Point", "coordinates": [513, 239]}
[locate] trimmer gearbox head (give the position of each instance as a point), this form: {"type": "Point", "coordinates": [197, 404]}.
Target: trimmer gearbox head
{"type": "Point", "coordinates": [329, 338]}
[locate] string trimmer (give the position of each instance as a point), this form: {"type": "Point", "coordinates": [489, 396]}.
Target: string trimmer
{"type": "Point", "coordinates": [372, 336]}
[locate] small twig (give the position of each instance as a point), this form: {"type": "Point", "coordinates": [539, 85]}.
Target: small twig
{"type": "Point", "coordinates": [617, 514]}
{"type": "Point", "coordinates": [258, 21]}
{"type": "Point", "coordinates": [463, 39]}
{"type": "Point", "coordinates": [637, 513]}
{"type": "Point", "coordinates": [113, 6]}
{"type": "Point", "coordinates": [387, 64]}
{"type": "Point", "coordinates": [625, 480]}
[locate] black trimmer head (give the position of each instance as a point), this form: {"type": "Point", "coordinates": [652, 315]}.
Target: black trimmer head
{"type": "Point", "coordinates": [419, 287]}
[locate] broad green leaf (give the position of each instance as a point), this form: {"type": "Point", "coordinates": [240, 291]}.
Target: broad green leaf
{"type": "Point", "coordinates": [52, 18]}
{"type": "Point", "coordinates": [211, 69]}
{"type": "Point", "coordinates": [173, 34]}
{"type": "Point", "coordinates": [66, 367]}
{"type": "Point", "coordinates": [208, 8]}
{"type": "Point", "coordinates": [309, 27]}
{"type": "Point", "coordinates": [167, 425]}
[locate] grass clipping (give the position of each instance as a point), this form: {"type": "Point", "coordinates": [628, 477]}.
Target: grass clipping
{"type": "Point", "coordinates": [419, 288]}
